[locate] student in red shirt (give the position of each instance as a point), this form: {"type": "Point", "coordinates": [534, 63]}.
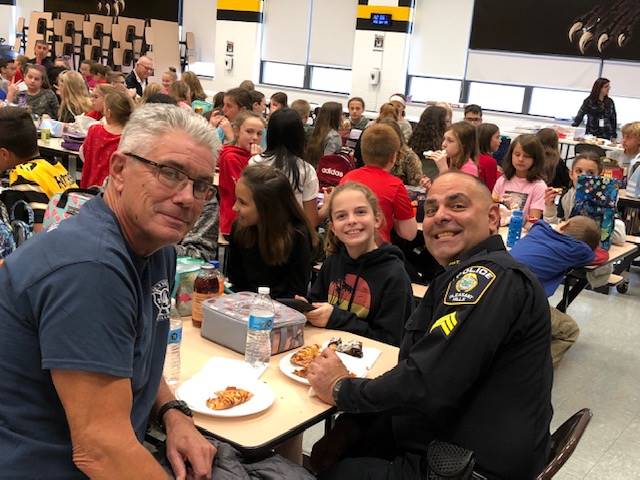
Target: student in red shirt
{"type": "Point", "coordinates": [380, 146]}
{"type": "Point", "coordinates": [247, 131]}
{"type": "Point", "coordinates": [102, 140]}
{"type": "Point", "coordinates": [488, 142]}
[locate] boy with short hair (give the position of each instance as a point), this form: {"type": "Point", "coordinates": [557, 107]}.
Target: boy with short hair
{"type": "Point", "coordinates": [631, 145]}
{"type": "Point", "coordinates": [32, 178]}
{"type": "Point", "coordinates": [550, 254]}
{"type": "Point", "coordinates": [380, 146]}
{"type": "Point", "coordinates": [473, 114]}
{"type": "Point", "coordinates": [356, 113]}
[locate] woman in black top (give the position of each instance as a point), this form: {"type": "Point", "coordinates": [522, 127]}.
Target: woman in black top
{"type": "Point", "coordinates": [600, 111]}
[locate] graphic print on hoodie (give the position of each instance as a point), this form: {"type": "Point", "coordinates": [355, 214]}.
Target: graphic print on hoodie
{"type": "Point", "coordinates": [371, 295]}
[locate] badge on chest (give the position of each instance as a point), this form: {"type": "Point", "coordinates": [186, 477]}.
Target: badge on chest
{"type": "Point", "coordinates": [469, 285]}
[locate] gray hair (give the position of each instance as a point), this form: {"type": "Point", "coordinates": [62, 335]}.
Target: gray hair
{"type": "Point", "coordinates": [151, 121]}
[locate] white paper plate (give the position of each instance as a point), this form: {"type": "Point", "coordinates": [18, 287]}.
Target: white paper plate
{"type": "Point", "coordinates": [358, 366]}
{"type": "Point", "coordinates": [288, 368]}
{"type": "Point", "coordinates": [196, 392]}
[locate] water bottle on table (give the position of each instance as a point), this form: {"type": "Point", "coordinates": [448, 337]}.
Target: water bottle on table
{"type": "Point", "coordinates": [258, 347]}
{"type": "Point", "coordinates": [172, 358]}
{"type": "Point", "coordinates": [515, 227]}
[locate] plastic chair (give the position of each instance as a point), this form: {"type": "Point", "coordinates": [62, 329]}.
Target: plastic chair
{"type": "Point", "coordinates": [590, 148]}
{"type": "Point", "coordinates": [564, 441]}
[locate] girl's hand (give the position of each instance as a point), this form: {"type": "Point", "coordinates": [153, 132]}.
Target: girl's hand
{"type": "Point", "coordinates": [12, 91]}
{"type": "Point", "coordinates": [216, 118]}
{"type": "Point", "coordinates": [425, 182]}
{"type": "Point", "coordinates": [320, 316]}
{"type": "Point", "coordinates": [226, 127]}
{"type": "Point", "coordinates": [440, 157]}
{"type": "Point", "coordinates": [255, 149]}
{"type": "Point", "coordinates": [550, 196]}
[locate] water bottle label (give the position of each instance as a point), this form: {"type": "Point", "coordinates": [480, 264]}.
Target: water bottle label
{"type": "Point", "coordinates": [260, 323]}
{"type": "Point", "coordinates": [175, 336]}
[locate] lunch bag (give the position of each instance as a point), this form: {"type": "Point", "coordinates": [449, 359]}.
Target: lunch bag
{"type": "Point", "coordinates": [22, 228]}
{"type": "Point", "coordinates": [7, 242]}
{"type": "Point", "coordinates": [66, 204]}
{"type": "Point", "coordinates": [331, 169]}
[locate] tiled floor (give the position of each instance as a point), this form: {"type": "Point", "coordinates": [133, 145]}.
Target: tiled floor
{"type": "Point", "coordinates": [601, 372]}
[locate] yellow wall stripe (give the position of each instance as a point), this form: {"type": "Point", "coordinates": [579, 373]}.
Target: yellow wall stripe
{"type": "Point", "coordinates": [240, 5]}
{"type": "Point", "coordinates": [397, 13]}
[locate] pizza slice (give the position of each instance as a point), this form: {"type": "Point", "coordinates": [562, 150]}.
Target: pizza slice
{"type": "Point", "coordinates": [305, 355]}
{"type": "Point", "coordinates": [228, 398]}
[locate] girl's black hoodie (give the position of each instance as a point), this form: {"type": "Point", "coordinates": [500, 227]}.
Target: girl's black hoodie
{"type": "Point", "coordinates": [371, 295]}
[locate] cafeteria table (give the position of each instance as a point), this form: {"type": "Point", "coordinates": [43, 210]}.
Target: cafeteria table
{"type": "Point", "coordinates": [53, 147]}
{"type": "Point", "coordinates": [293, 410]}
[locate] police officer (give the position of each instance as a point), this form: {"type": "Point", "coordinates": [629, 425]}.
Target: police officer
{"type": "Point", "coordinates": [474, 367]}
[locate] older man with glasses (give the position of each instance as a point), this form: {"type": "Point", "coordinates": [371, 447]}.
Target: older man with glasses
{"type": "Point", "coordinates": [85, 308]}
{"type": "Point", "coordinates": [138, 77]}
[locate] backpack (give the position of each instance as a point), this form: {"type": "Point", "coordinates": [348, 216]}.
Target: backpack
{"type": "Point", "coordinates": [22, 230]}
{"type": "Point", "coordinates": [66, 204]}
{"type": "Point", "coordinates": [331, 169]}
{"type": "Point", "coordinates": [7, 242]}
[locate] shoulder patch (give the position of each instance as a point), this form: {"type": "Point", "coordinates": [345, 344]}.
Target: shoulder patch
{"type": "Point", "coordinates": [469, 285]}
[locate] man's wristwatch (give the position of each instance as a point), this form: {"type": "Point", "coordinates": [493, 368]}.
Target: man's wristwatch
{"type": "Point", "coordinates": [336, 389]}
{"type": "Point", "coordinates": [179, 405]}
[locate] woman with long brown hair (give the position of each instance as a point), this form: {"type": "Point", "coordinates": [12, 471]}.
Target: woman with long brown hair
{"type": "Point", "coordinates": [325, 139]}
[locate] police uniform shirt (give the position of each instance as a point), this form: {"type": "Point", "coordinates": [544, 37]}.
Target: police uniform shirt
{"type": "Point", "coordinates": [474, 367]}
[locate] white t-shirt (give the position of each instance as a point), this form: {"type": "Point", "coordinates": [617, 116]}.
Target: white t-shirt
{"type": "Point", "coordinates": [308, 177]}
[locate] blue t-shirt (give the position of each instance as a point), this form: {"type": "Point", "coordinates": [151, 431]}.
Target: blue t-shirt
{"type": "Point", "coordinates": [76, 298]}
{"type": "Point", "coordinates": [550, 254]}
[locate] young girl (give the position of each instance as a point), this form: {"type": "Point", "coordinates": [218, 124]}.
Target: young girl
{"type": "Point", "coordinates": [556, 172]}
{"type": "Point", "coordinates": [247, 128]}
{"type": "Point", "coordinates": [272, 240]}
{"type": "Point", "coordinates": [102, 140]}
{"type": "Point", "coordinates": [399, 101]}
{"type": "Point", "coordinates": [459, 150]}
{"type": "Point", "coordinates": [285, 149]}
{"type": "Point", "coordinates": [197, 92]}
{"type": "Point", "coordinates": [168, 78]}
{"type": "Point", "coordinates": [180, 91]}
{"type": "Point", "coordinates": [488, 142]}
{"type": "Point", "coordinates": [152, 89]}
{"type": "Point", "coordinates": [277, 101]}
{"type": "Point", "coordinates": [362, 288]}
{"type": "Point", "coordinates": [39, 96]}
{"type": "Point", "coordinates": [428, 136]}
{"type": "Point", "coordinates": [522, 187]}
{"type": "Point", "coordinates": [74, 96]}
{"type": "Point", "coordinates": [325, 139]}
{"type": "Point", "coordinates": [235, 101]}
{"type": "Point", "coordinates": [407, 166]}
{"type": "Point", "coordinates": [97, 100]}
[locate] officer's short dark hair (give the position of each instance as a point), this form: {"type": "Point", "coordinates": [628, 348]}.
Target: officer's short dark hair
{"type": "Point", "coordinates": [18, 133]}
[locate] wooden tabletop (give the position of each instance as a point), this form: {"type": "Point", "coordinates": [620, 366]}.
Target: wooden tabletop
{"type": "Point", "coordinates": [292, 411]}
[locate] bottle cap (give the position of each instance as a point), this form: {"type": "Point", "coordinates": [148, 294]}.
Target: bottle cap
{"type": "Point", "coordinates": [264, 290]}
{"type": "Point", "coordinates": [207, 266]}
{"type": "Point", "coordinates": [517, 213]}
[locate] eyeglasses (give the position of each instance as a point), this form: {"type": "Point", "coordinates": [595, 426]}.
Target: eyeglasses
{"type": "Point", "coordinates": [176, 179]}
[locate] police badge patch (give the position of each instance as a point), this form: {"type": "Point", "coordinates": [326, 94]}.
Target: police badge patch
{"type": "Point", "coordinates": [469, 285]}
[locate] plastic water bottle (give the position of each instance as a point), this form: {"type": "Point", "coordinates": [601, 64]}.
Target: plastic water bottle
{"type": "Point", "coordinates": [258, 347]}
{"type": "Point", "coordinates": [172, 358]}
{"type": "Point", "coordinates": [515, 227]}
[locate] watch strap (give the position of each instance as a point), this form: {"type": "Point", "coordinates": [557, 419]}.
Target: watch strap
{"type": "Point", "coordinates": [173, 404]}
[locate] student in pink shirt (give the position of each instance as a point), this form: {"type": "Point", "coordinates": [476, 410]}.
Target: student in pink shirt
{"type": "Point", "coordinates": [521, 187]}
{"type": "Point", "coordinates": [459, 150]}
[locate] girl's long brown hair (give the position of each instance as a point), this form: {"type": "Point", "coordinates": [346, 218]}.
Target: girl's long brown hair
{"type": "Point", "coordinates": [329, 118]}
{"type": "Point", "coordinates": [465, 133]}
{"type": "Point", "coordinates": [280, 216]}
